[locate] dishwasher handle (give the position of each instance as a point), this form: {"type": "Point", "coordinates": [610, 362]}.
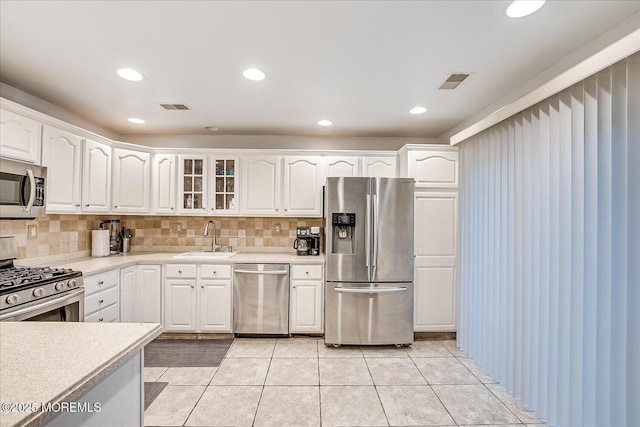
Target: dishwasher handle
{"type": "Point", "coordinates": [270, 272]}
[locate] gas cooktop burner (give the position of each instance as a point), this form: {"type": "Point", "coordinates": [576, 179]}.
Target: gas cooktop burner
{"type": "Point", "coordinates": [19, 276]}
{"type": "Point", "coordinates": [22, 285]}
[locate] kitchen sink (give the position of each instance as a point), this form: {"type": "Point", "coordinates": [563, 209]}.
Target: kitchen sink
{"type": "Point", "coordinates": [206, 255]}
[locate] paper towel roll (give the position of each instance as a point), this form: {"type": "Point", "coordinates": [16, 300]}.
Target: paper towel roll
{"type": "Point", "coordinates": [100, 242]}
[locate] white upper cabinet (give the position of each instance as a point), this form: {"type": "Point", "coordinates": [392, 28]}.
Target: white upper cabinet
{"type": "Point", "coordinates": [96, 177]}
{"type": "Point", "coordinates": [131, 181]}
{"type": "Point", "coordinates": [62, 155]}
{"type": "Point", "coordinates": [434, 169]}
{"type": "Point", "coordinates": [261, 185]}
{"type": "Point", "coordinates": [20, 137]}
{"type": "Point", "coordinates": [381, 167]}
{"type": "Point", "coordinates": [303, 186]}
{"type": "Point", "coordinates": [192, 184]}
{"type": "Point", "coordinates": [338, 166]}
{"type": "Point", "coordinates": [224, 185]}
{"type": "Point", "coordinates": [164, 184]}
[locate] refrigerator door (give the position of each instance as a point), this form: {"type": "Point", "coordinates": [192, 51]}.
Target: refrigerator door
{"type": "Point", "coordinates": [368, 314]}
{"type": "Point", "coordinates": [348, 258]}
{"type": "Point", "coordinates": [392, 230]}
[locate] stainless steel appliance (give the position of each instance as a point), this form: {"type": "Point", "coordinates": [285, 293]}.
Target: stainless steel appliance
{"type": "Point", "coordinates": [316, 241]}
{"type": "Point", "coordinates": [115, 233]}
{"type": "Point", "coordinates": [261, 299]}
{"type": "Point", "coordinates": [38, 294]}
{"type": "Point", "coordinates": [369, 261]}
{"type": "Point", "coordinates": [307, 241]}
{"type": "Point", "coordinates": [22, 190]}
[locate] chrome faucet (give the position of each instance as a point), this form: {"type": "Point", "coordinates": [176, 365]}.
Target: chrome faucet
{"type": "Point", "coordinates": [214, 245]}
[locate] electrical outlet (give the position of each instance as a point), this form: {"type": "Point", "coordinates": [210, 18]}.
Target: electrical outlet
{"type": "Point", "coordinates": [32, 231]}
{"type": "Point", "coordinates": [277, 228]}
{"type": "Point", "coordinates": [176, 227]}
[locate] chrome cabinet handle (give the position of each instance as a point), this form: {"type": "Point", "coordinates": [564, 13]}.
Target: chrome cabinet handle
{"type": "Point", "coordinates": [101, 282]}
{"type": "Point", "coordinates": [101, 301]}
{"type": "Point", "coordinates": [202, 286]}
{"type": "Point", "coordinates": [193, 286]}
{"type": "Point", "coordinates": [179, 271]}
{"type": "Point", "coordinates": [101, 319]}
{"type": "Point", "coordinates": [77, 206]}
{"type": "Point", "coordinates": [87, 205]}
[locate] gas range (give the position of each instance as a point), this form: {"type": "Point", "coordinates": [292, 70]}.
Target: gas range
{"type": "Point", "coordinates": [22, 285]}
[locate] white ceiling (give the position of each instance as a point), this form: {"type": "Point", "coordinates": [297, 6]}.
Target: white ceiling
{"type": "Point", "coordinates": [361, 64]}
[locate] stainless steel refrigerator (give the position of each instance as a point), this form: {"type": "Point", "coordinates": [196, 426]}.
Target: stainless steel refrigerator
{"type": "Point", "coordinates": [369, 261]}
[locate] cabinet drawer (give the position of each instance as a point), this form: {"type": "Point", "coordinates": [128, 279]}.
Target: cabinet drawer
{"type": "Point", "coordinates": [301, 272]}
{"type": "Point", "coordinates": [215, 271]}
{"type": "Point", "coordinates": [180, 270]}
{"type": "Point", "coordinates": [100, 282]}
{"type": "Point", "coordinates": [106, 315]}
{"type": "Point", "coordinates": [100, 300]}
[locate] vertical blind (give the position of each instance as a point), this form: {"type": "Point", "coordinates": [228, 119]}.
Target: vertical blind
{"type": "Point", "coordinates": [550, 252]}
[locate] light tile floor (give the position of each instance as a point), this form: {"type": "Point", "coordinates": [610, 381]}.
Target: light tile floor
{"type": "Point", "coordinates": [300, 382]}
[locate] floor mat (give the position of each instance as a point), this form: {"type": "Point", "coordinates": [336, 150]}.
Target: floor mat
{"type": "Point", "coordinates": [185, 353]}
{"type": "Point", "coordinates": [151, 391]}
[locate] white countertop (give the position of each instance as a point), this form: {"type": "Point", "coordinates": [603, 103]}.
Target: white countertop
{"type": "Point", "coordinates": [91, 265]}
{"type": "Point", "coordinates": [59, 361]}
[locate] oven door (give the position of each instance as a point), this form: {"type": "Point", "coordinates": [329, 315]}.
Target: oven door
{"type": "Point", "coordinates": [66, 307]}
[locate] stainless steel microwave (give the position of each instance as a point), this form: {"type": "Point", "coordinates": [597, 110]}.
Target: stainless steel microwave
{"type": "Point", "coordinates": [22, 190]}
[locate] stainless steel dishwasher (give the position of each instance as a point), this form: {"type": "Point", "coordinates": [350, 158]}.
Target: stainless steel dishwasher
{"type": "Point", "coordinates": [261, 299]}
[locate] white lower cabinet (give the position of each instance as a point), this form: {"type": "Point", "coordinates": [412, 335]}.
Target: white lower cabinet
{"type": "Point", "coordinates": [305, 309]}
{"type": "Point", "coordinates": [141, 294]}
{"type": "Point", "coordinates": [198, 298]}
{"type": "Point", "coordinates": [101, 297]}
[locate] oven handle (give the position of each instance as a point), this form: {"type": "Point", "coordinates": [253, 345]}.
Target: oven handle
{"type": "Point", "coordinates": [56, 301]}
{"type": "Point", "coordinates": [32, 193]}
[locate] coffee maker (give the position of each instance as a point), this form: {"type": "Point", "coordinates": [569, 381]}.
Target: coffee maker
{"type": "Point", "coordinates": [315, 238]}
{"type": "Point", "coordinates": [307, 241]}
{"type": "Point", "coordinates": [113, 225]}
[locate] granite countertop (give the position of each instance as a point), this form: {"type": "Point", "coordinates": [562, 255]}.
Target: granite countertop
{"type": "Point", "coordinates": [42, 362]}
{"type": "Point", "coordinates": [91, 265]}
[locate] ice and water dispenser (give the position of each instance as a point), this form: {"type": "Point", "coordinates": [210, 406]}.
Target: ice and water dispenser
{"type": "Point", "coordinates": [343, 236]}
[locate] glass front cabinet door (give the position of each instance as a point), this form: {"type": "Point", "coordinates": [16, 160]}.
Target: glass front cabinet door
{"type": "Point", "coordinates": [193, 184]}
{"type": "Point", "coordinates": [225, 184]}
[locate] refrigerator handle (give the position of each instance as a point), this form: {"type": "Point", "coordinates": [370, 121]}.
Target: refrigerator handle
{"type": "Point", "coordinates": [367, 234]}
{"type": "Point", "coordinates": [374, 260]}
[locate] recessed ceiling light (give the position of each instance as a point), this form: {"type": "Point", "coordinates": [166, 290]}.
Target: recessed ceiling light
{"type": "Point", "coordinates": [520, 8]}
{"type": "Point", "coordinates": [136, 120]}
{"type": "Point", "coordinates": [130, 74]}
{"type": "Point", "coordinates": [325, 123]}
{"type": "Point", "coordinates": [418, 110]}
{"type": "Point", "coordinates": [254, 74]}
{"type": "Point", "coordinates": [212, 128]}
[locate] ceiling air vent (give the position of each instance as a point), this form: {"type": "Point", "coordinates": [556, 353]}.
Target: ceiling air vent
{"type": "Point", "coordinates": [174, 107]}
{"type": "Point", "coordinates": [454, 80]}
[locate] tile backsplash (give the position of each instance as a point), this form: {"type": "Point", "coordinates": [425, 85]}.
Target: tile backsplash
{"type": "Point", "coordinates": [71, 234]}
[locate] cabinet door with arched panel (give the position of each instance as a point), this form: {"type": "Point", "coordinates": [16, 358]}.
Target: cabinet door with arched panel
{"type": "Point", "coordinates": [434, 169]}
{"type": "Point", "coordinates": [62, 155]}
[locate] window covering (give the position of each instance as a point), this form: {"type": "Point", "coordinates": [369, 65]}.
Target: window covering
{"type": "Point", "coordinates": [550, 251]}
